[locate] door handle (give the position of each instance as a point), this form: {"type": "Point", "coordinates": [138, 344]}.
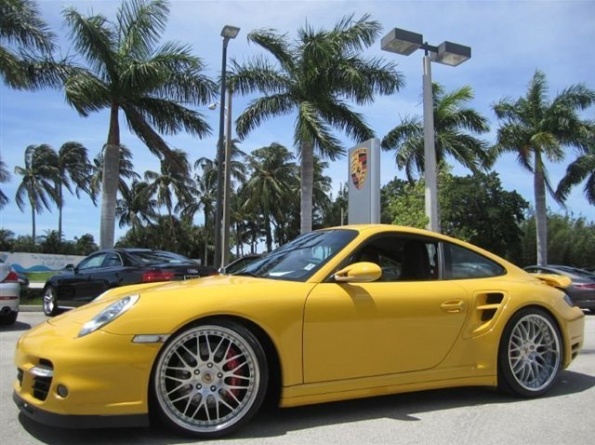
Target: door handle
{"type": "Point", "coordinates": [453, 306]}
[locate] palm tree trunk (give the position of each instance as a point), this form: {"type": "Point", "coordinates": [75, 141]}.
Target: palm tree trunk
{"type": "Point", "coordinates": [307, 186]}
{"type": "Point", "coordinates": [111, 176]}
{"type": "Point", "coordinates": [33, 223]}
{"type": "Point", "coordinates": [540, 211]}
{"type": "Point", "coordinates": [268, 234]}
{"type": "Point", "coordinates": [60, 205]}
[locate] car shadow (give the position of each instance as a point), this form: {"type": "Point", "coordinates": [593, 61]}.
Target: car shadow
{"type": "Point", "coordinates": [272, 422]}
{"type": "Point", "coordinates": [17, 326]}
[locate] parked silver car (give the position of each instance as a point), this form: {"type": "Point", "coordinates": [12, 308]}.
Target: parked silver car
{"type": "Point", "coordinates": [582, 289]}
{"type": "Point", "coordinates": [10, 291]}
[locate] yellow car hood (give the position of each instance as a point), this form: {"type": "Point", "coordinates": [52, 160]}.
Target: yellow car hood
{"type": "Point", "coordinates": [165, 307]}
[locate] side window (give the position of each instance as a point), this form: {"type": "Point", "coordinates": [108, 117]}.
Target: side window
{"type": "Point", "coordinates": [402, 258]}
{"type": "Point", "coordinates": [464, 263]}
{"type": "Point", "coordinates": [113, 260]}
{"type": "Point", "coordinates": [92, 262]}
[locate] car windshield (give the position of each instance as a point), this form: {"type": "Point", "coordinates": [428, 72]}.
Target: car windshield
{"type": "Point", "coordinates": [299, 259]}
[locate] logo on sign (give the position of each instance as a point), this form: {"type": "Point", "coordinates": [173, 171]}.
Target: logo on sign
{"type": "Point", "coordinates": [359, 167]}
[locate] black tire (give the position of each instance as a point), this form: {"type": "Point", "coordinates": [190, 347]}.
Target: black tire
{"type": "Point", "coordinates": [50, 301]}
{"type": "Point", "coordinates": [209, 380]}
{"type": "Point", "coordinates": [530, 354]}
{"type": "Point", "coordinates": [9, 320]}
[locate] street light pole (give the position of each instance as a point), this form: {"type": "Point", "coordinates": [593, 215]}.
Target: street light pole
{"type": "Point", "coordinates": [431, 182]}
{"type": "Point", "coordinates": [228, 32]}
{"type": "Point", "coordinates": [226, 186]}
{"type": "Point", "coordinates": [405, 43]}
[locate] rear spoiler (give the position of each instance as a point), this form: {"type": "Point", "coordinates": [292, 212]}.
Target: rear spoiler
{"type": "Point", "coordinates": [559, 281]}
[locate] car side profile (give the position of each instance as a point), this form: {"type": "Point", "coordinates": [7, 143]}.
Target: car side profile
{"type": "Point", "coordinates": [339, 313]}
{"type": "Point", "coordinates": [111, 268]}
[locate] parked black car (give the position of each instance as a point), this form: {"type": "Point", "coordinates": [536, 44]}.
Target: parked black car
{"type": "Point", "coordinates": [110, 268]}
{"type": "Point", "coordinates": [582, 288]}
{"type": "Point", "coordinates": [239, 263]}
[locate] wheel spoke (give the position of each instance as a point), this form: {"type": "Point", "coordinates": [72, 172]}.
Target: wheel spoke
{"type": "Point", "coordinates": [534, 352]}
{"type": "Point", "coordinates": [207, 378]}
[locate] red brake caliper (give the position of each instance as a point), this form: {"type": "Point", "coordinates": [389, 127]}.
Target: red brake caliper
{"type": "Point", "coordinates": [231, 365]}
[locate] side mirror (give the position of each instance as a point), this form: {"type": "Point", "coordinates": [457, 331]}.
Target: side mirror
{"type": "Point", "coordinates": [363, 272]}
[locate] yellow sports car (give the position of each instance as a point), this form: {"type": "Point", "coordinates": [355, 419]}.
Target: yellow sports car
{"type": "Point", "coordinates": [341, 313]}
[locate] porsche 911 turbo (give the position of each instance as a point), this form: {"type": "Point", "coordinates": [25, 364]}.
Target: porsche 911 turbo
{"type": "Point", "coordinates": [340, 313]}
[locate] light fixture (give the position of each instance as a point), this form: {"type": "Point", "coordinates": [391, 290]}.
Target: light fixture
{"type": "Point", "coordinates": [404, 42]}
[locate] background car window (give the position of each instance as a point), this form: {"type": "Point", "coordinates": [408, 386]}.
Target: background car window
{"type": "Point", "coordinates": [160, 257]}
{"type": "Point", "coordinates": [463, 263]}
{"type": "Point", "coordinates": [113, 260]}
{"type": "Point", "coordinates": [92, 262]}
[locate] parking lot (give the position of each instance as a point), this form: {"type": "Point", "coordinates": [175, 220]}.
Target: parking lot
{"type": "Point", "coordinates": [461, 416]}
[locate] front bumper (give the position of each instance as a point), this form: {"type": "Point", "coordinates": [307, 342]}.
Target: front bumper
{"type": "Point", "coordinates": [89, 379]}
{"type": "Point", "coordinates": [79, 421]}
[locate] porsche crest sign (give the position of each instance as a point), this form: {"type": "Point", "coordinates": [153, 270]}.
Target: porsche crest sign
{"type": "Point", "coordinates": [363, 177]}
{"type": "Point", "coordinates": [359, 167]}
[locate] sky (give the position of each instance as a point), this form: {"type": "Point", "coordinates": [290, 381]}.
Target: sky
{"type": "Point", "coordinates": [510, 40]}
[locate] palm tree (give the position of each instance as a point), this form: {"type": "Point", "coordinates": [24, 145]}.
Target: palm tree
{"type": "Point", "coordinates": [23, 33]}
{"type": "Point", "coordinates": [129, 73]}
{"type": "Point", "coordinates": [4, 177]}
{"type": "Point", "coordinates": [38, 185]}
{"type": "Point", "coordinates": [136, 207]}
{"type": "Point", "coordinates": [126, 172]}
{"type": "Point", "coordinates": [73, 169]}
{"type": "Point", "coordinates": [205, 197]}
{"type": "Point", "coordinates": [172, 184]}
{"type": "Point", "coordinates": [270, 183]}
{"type": "Point", "coordinates": [454, 125]}
{"type": "Point", "coordinates": [538, 130]}
{"type": "Point", "coordinates": [6, 239]}
{"type": "Point", "coordinates": [315, 77]}
{"type": "Point", "coordinates": [579, 170]}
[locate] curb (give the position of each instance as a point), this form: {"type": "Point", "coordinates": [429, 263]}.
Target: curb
{"type": "Point", "coordinates": [30, 308]}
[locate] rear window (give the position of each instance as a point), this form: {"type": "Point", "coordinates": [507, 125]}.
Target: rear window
{"type": "Point", "coordinates": [160, 257]}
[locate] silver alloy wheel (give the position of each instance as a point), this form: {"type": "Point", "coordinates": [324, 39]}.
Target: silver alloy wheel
{"type": "Point", "coordinates": [534, 352]}
{"type": "Point", "coordinates": [207, 379]}
{"type": "Point", "coordinates": [49, 301]}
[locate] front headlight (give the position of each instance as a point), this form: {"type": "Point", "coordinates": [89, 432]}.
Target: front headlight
{"type": "Point", "coordinates": [109, 314]}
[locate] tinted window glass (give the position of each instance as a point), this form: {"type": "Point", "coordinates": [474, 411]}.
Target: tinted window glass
{"type": "Point", "coordinates": [401, 258]}
{"type": "Point", "coordinates": [464, 263]}
{"type": "Point", "coordinates": [92, 262]}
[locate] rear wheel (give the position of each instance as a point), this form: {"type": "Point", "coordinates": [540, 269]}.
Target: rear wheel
{"type": "Point", "coordinates": [209, 379]}
{"type": "Point", "coordinates": [50, 301]}
{"type": "Point", "coordinates": [530, 355]}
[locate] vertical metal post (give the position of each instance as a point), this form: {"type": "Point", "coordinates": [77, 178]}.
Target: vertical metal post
{"type": "Point", "coordinates": [220, 158]}
{"type": "Point", "coordinates": [431, 188]}
{"type": "Point", "coordinates": [226, 186]}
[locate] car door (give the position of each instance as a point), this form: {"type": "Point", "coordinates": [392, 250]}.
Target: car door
{"type": "Point", "coordinates": [402, 325]}
{"type": "Point", "coordinates": [86, 282]}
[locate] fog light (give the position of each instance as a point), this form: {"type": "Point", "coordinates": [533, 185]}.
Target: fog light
{"type": "Point", "coordinates": [62, 391]}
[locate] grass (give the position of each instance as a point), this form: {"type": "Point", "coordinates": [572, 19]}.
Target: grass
{"type": "Point", "coordinates": [32, 296]}
{"type": "Point", "coordinates": [41, 276]}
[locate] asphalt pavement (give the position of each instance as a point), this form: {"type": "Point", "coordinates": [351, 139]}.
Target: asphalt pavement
{"type": "Point", "coordinates": [466, 416]}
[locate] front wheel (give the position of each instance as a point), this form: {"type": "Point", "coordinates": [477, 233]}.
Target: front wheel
{"type": "Point", "coordinates": [50, 301]}
{"type": "Point", "coordinates": [209, 379]}
{"type": "Point", "coordinates": [530, 355]}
